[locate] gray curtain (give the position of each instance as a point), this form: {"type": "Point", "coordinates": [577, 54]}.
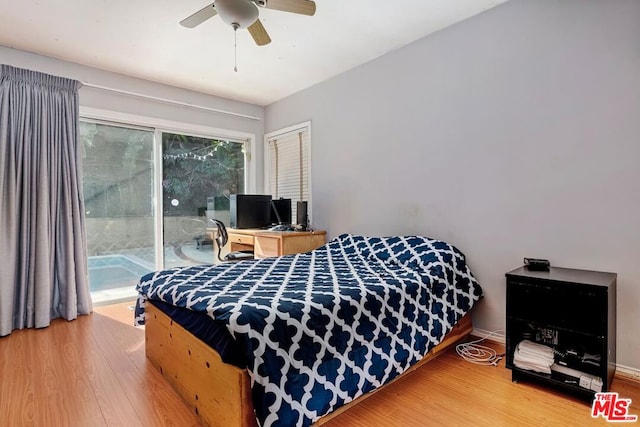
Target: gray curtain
{"type": "Point", "coordinates": [43, 264]}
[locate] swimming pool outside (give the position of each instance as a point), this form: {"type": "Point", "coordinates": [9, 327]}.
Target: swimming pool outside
{"type": "Point", "coordinates": [114, 277]}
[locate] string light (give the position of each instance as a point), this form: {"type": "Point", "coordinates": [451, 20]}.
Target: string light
{"type": "Point", "coordinates": [189, 155]}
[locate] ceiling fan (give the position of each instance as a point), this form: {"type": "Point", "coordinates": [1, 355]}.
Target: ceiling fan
{"type": "Point", "coordinates": [244, 14]}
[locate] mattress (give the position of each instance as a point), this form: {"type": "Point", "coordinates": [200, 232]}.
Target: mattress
{"type": "Point", "coordinates": [322, 328]}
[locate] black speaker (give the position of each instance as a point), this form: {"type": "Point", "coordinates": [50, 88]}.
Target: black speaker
{"type": "Point", "coordinates": [301, 215]}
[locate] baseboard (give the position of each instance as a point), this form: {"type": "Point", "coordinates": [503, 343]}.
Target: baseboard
{"type": "Point", "coordinates": [626, 372]}
{"type": "Point", "coordinates": [493, 336]}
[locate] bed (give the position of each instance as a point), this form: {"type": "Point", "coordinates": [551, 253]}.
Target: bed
{"type": "Point", "coordinates": [292, 340]}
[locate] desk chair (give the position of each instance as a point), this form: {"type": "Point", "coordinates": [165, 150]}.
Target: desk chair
{"type": "Point", "coordinates": [222, 238]}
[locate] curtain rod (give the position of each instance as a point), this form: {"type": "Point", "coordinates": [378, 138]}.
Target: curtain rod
{"type": "Point", "coordinates": [169, 101]}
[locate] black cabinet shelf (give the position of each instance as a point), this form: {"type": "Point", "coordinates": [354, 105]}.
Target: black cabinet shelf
{"type": "Point", "coordinates": [549, 380]}
{"type": "Point", "coordinates": [547, 325]}
{"type": "Point", "coordinates": [574, 313]}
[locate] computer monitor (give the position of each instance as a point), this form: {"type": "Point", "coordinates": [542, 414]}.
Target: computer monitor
{"type": "Point", "coordinates": [281, 211]}
{"type": "Point", "coordinates": [250, 210]}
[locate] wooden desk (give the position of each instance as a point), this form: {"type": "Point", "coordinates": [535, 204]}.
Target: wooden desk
{"type": "Point", "coordinates": [266, 243]}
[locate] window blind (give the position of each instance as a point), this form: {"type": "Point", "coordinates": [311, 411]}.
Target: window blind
{"type": "Point", "coordinates": [289, 161]}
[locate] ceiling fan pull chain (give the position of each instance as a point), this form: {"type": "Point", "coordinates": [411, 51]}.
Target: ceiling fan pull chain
{"type": "Point", "coordinates": [235, 49]}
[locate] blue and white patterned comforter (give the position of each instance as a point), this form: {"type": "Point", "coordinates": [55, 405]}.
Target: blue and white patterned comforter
{"type": "Point", "coordinates": [324, 327]}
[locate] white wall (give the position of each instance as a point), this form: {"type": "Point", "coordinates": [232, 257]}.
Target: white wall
{"type": "Point", "coordinates": [514, 133]}
{"type": "Point", "coordinates": [105, 100]}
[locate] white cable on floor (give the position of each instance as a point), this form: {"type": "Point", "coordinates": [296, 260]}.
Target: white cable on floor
{"type": "Point", "coordinates": [479, 354]}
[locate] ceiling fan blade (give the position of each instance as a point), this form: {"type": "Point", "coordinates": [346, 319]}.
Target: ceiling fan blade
{"type": "Point", "coordinates": [258, 33]}
{"type": "Point", "coordinates": [303, 7]}
{"type": "Point", "coordinates": [199, 17]}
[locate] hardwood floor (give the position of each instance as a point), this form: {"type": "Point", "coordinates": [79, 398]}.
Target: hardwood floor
{"type": "Point", "coordinates": [93, 372]}
{"type": "Point", "coordinates": [88, 372]}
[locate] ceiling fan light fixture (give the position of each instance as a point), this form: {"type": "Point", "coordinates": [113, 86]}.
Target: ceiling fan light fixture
{"type": "Point", "coordinates": [237, 13]}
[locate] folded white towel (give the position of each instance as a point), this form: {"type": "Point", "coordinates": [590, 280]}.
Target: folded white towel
{"type": "Point", "coordinates": [530, 347]}
{"type": "Point", "coordinates": [531, 364]}
{"type": "Point", "coordinates": [533, 357]}
{"type": "Point", "coordinates": [527, 355]}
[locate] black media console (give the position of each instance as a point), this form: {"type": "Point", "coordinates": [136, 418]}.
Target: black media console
{"type": "Point", "coordinates": [574, 313]}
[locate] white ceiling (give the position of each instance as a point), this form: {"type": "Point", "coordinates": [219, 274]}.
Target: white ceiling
{"type": "Point", "coordinates": [142, 38]}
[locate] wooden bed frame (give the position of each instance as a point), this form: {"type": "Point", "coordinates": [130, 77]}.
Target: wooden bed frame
{"type": "Point", "coordinates": [219, 393]}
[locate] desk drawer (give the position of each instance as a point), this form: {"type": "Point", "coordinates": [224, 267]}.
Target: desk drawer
{"type": "Point", "coordinates": [241, 238]}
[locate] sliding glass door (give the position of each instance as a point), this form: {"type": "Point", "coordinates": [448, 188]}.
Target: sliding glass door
{"type": "Point", "coordinates": [119, 214]}
{"type": "Point", "coordinates": [149, 198]}
{"type": "Point", "coordinates": [198, 175]}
